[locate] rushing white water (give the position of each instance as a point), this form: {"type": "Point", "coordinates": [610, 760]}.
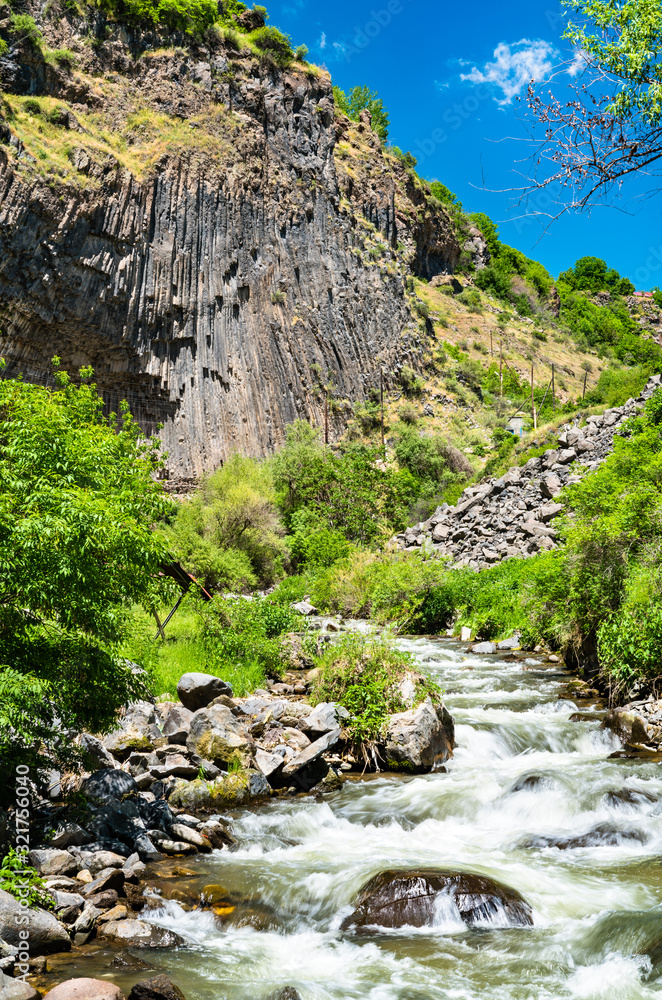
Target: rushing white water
{"type": "Point", "coordinates": [597, 909]}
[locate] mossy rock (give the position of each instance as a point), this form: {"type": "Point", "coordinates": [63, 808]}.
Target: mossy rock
{"type": "Point", "coordinates": [209, 796]}
{"type": "Point", "coordinates": [222, 749]}
{"type": "Point", "coordinates": [123, 743]}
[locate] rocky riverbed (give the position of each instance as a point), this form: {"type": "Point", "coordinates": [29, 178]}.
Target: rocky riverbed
{"type": "Point", "coordinates": [524, 869]}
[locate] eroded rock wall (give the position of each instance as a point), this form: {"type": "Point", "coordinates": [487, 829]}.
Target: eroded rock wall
{"type": "Point", "coordinates": [218, 287]}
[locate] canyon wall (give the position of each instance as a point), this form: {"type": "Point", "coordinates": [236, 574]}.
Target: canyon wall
{"type": "Point", "coordinates": [181, 228]}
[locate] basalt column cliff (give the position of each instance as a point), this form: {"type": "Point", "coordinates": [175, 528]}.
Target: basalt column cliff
{"type": "Point", "coordinates": [182, 220]}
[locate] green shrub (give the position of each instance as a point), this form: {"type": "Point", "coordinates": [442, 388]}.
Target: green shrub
{"type": "Point", "coordinates": [471, 299]}
{"type": "Point", "coordinates": [191, 16]}
{"type": "Point", "coordinates": [60, 57]}
{"type": "Point", "coordinates": [275, 43]}
{"type": "Point", "coordinates": [242, 636]}
{"type": "Point", "coordinates": [23, 882]}
{"type": "Point", "coordinates": [313, 543]}
{"type": "Point", "coordinates": [25, 28]}
{"type": "Point", "coordinates": [32, 106]}
{"type": "Point", "coordinates": [4, 48]}
{"type": "Point", "coordinates": [629, 645]}
{"type": "Point", "coordinates": [300, 53]}
{"type": "Point", "coordinates": [363, 99]}
{"type": "Point", "coordinates": [364, 675]}
{"type": "Point", "coordinates": [229, 534]}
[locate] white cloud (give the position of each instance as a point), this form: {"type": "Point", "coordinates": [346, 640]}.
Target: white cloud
{"type": "Point", "coordinates": [322, 41]}
{"type": "Point", "coordinates": [515, 66]}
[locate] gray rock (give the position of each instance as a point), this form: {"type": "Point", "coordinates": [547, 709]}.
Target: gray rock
{"type": "Point", "coordinates": [140, 934]}
{"type": "Point", "coordinates": [549, 511]}
{"type": "Point", "coordinates": [70, 835]}
{"type": "Point", "coordinates": [113, 878]}
{"type": "Point", "coordinates": [311, 753]}
{"type": "Point", "coordinates": [512, 643]}
{"type": "Point", "coordinates": [85, 989]}
{"type": "Point", "coordinates": [175, 765]}
{"type": "Point", "coordinates": [109, 784]}
{"type": "Point", "coordinates": [324, 718]}
{"type": "Point", "coordinates": [196, 690]}
{"type": "Point", "coordinates": [268, 763]}
{"type": "Point", "coordinates": [181, 831]}
{"type": "Point", "coordinates": [258, 786]}
{"type": "Point", "coordinates": [53, 862]}
{"type": "Point", "coordinates": [550, 486]}
{"type": "Point", "coordinates": [97, 751]}
{"type": "Point", "coordinates": [304, 608]}
{"type": "Point", "coordinates": [16, 989]}
{"type": "Point", "coordinates": [483, 647]}
{"type": "Point", "coordinates": [217, 735]}
{"type": "Point", "coordinates": [567, 456]}
{"type": "Point", "coordinates": [99, 860]}
{"type": "Point", "coordinates": [68, 901]}
{"type": "Point", "coordinates": [416, 740]}
{"type": "Point", "coordinates": [177, 724]}
{"type": "Point", "coordinates": [87, 920]}
{"type": "Point", "coordinates": [47, 935]}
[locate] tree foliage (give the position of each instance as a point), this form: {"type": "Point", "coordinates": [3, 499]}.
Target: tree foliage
{"type": "Point", "coordinates": [363, 99]}
{"type": "Point", "coordinates": [78, 500]}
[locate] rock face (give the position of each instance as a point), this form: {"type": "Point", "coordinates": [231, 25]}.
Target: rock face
{"type": "Point", "coordinates": [210, 279]}
{"type": "Point", "coordinates": [428, 896]}
{"type": "Point", "coordinates": [512, 516]}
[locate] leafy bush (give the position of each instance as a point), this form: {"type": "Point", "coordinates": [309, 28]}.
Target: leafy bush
{"type": "Point", "coordinates": [352, 492]}
{"type": "Point", "coordinates": [431, 458]}
{"type": "Point", "coordinates": [17, 876]}
{"type": "Point", "coordinates": [471, 299]}
{"type": "Point", "coordinates": [313, 543]}
{"type": "Point", "coordinates": [275, 43]}
{"type": "Point", "coordinates": [591, 274]}
{"type": "Point", "coordinates": [300, 53]}
{"type": "Point", "coordinates": [629, 645]}
{"type": "Point", "coordinates": [239, 633]}
{"type": "Point", "coordinates": [229, 534]}
{"type": "Point", "coordinates": [32, 106]}
{"type": "Point", "coordinates": [25, 28]}
{"type": "Point", "coordinates": [364, 675]}
{"type": "Point", "coordinates": [408, 160]}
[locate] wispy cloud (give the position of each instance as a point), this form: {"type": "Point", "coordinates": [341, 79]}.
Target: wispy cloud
{"type": "Point", "coordinates": [578, 63]}
{"type": "Point", "coordinates": [322, 41]}
{"type": "Point", "coordinates": [515, 66]}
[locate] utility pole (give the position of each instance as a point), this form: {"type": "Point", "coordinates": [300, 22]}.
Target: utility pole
{"type": "Point", "coordinates": [326, 417]}
{"type": "Point", "coordinates": [500, 369]}
{"type": "Point", "coordinates": [584, 389]}
{"type": "Point", "coordinates": [533, 404]}
{"type": "Point", "coordinates": [553, 396]}
{"type": "Point", "coordinates": [381, 404]}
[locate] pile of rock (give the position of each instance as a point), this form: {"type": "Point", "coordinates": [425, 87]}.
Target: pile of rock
{"type": "Point", "coordinates": [512, 516]}
{"type": "Point", "coordinates": [210, 751]}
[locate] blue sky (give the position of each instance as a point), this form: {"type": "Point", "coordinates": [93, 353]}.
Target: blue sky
{"type": "Point", "coordinates": [449, 75]}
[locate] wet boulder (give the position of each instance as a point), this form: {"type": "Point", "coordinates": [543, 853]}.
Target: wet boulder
{"type": "Point", "coordinates": [16, 989]}
{"type": "Point", "coordinates": [417, 741]}
{"type": "Point", "coordinates": [626, 725]}
{"type": "Point", "coordinates": [140, 934]}
{"type": "Point", "coordinates": [416, 899]}
{"type": "Point", "coordinates": [625, 797]}
{"type": "Point", "coordinates": [287, 993]}
{"type": "Point", "coordinates": [602, 835]}
{"type": "Point", "coordinates": [156, 988]}
{"type": "Point", "coordinates": [198, 690]}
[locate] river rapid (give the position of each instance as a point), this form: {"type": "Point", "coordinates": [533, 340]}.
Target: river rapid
{"type": "Point", "coordinates": [597, 909]}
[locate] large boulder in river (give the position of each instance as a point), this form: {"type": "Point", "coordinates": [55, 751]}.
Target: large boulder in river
{"type": "Point", "coordinates": [627, 725]}
{"type": "Point", "coordinates": [417, 741]}
{"type": "Point", "coordinates": [46, 934]}
{"type": "Point", "coordinates": [198, 690]}
{"type": "Point", "coordinates": [156, 988]}
{"type": "Point", "coordinates": [218, 736]}
{"type": "Point", "coordinates": [140, 934]}
{"type": "Point", "coordinates": [425, 897]}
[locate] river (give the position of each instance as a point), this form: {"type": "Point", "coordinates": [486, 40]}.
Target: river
{"type": "Point", "coordinates": [597, 909]}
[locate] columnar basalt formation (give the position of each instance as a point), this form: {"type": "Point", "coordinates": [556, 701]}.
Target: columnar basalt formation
{"type": "Point", "coordinates": [218, 280]}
